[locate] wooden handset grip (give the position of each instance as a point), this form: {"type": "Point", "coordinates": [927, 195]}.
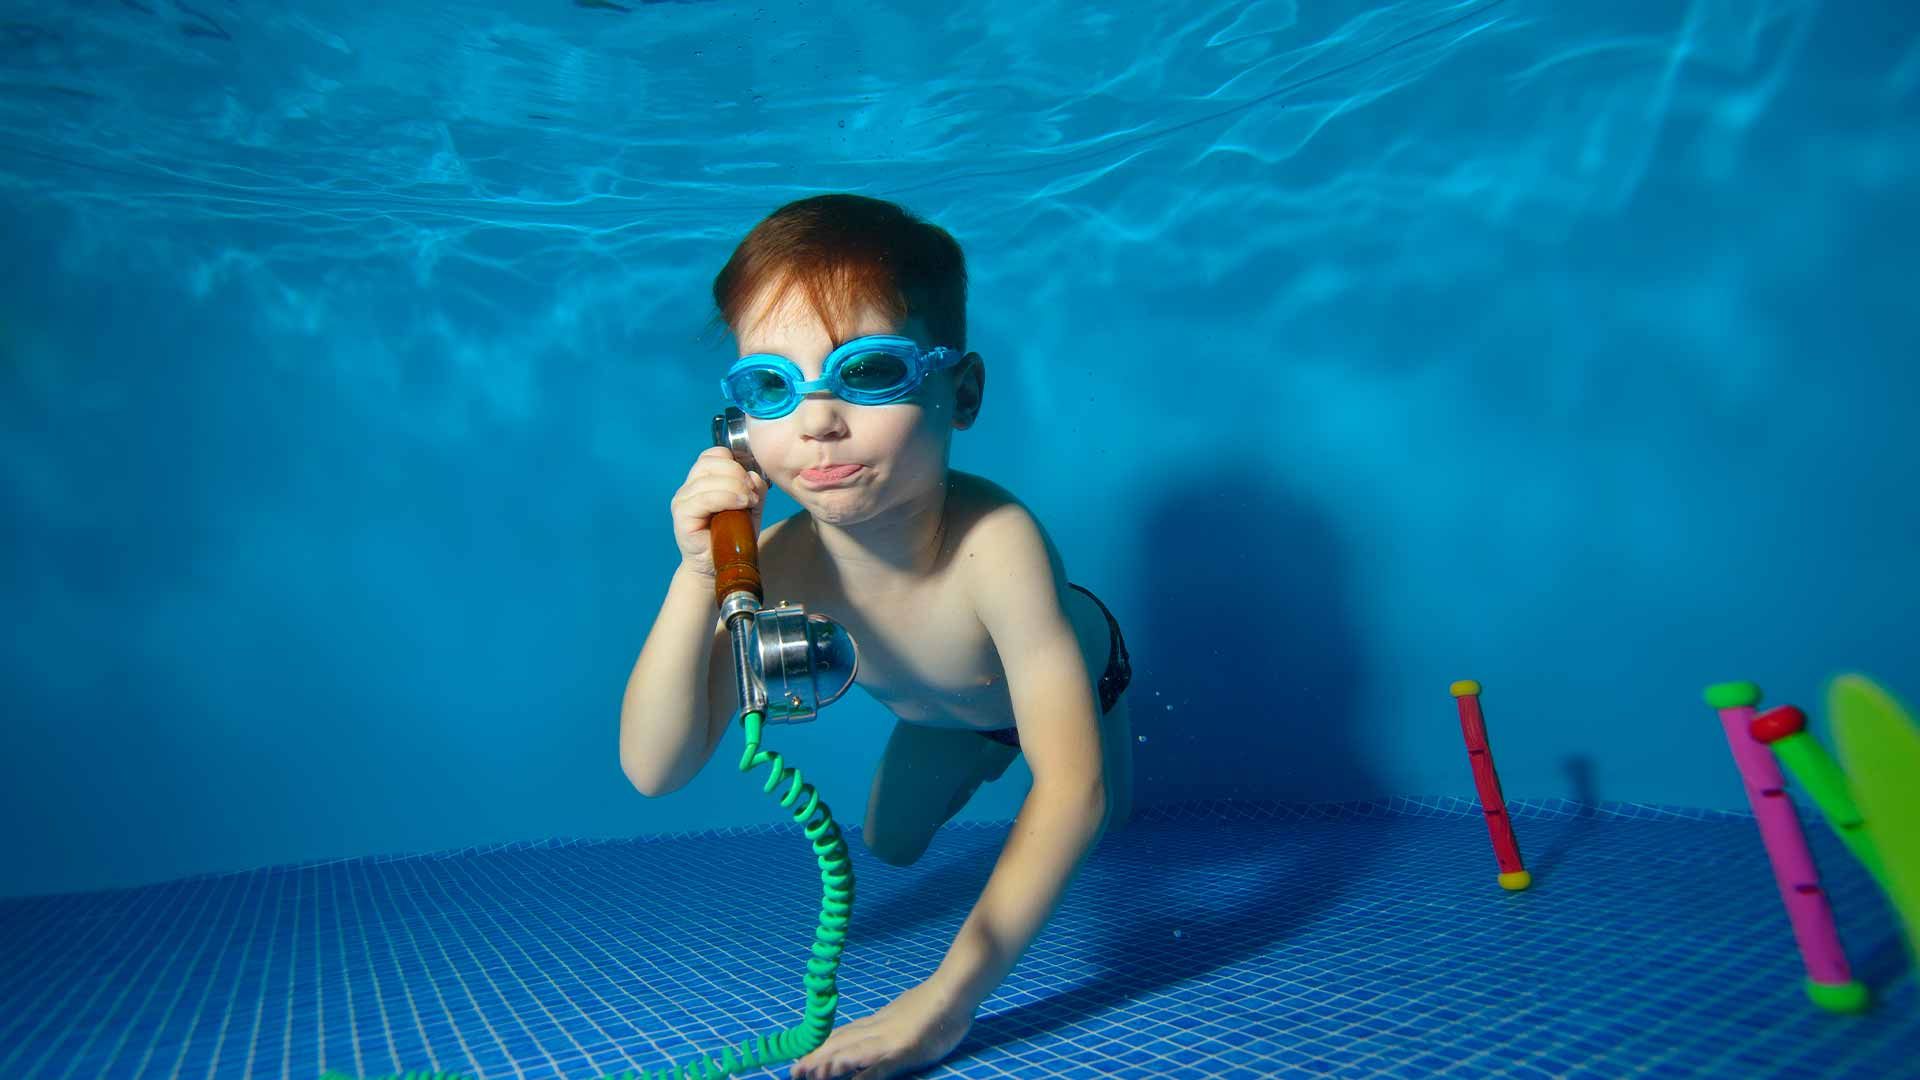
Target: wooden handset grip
{"type": "Point", "coordinates": [736, 554]}
{"type": "Point", "coordinates": [736, 550]}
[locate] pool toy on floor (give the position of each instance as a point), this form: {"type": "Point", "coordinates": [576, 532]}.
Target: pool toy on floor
{"type": "Point", "coordinates": [788, 665]}
{"type": "Point", "coordinates": [1506, 848]}
{"type": "Point", "coordinates": [1830, 982]}
{"type": "Point", "coordinates": [1880, 750]}
{"type": "Point", "coordinates": [1873, 803]}
{"type": "Point", "coordinates": [1783, 729]}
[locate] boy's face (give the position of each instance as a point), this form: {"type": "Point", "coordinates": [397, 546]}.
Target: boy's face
{"type": "Point", "coordinates": [901, 447]}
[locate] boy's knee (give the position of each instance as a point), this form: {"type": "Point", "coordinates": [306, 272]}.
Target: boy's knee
{"type": "Point", "coordinates": [894, 849]}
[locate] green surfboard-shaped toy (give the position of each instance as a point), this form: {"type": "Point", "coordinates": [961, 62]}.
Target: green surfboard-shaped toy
{"type": "Point", "coordinates": [1880, 751]}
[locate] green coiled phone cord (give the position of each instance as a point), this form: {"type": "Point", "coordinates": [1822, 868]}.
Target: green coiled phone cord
{"type": "Point", "coordinates": [836, 901]}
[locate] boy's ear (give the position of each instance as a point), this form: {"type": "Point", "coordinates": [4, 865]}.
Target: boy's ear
{"type": "Point", "coordinates": [969, 389]}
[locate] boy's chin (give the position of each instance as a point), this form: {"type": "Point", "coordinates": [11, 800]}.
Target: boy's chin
{"type": "Point", "coordinates": [838, 509]}
{"type": "Point", "coordinates": [864, 502]}
{"type": "Point", "coordinates": [847, 507]}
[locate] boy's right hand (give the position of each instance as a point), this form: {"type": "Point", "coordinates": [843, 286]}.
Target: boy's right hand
{"type": "Point", "coordinates": [716, 482]}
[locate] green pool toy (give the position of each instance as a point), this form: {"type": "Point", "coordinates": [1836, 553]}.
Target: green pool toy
{"type": "Point", "coordinates": [1880, 752]}
{"type": "Point", "coordinates": [1783, 729]}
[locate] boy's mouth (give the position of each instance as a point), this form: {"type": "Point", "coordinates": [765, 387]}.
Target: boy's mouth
{"type": "Point", "coordinates": [829, 475]}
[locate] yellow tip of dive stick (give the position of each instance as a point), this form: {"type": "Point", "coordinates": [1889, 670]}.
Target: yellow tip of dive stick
{"type": "Point", "coordinates": [1880, 751]}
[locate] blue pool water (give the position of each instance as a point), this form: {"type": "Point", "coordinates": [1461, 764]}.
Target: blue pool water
{"type": "Point", "coordinates": [350, 354]}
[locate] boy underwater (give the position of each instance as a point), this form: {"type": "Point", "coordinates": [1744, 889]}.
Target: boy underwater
{"type": "Point", "coordinates": [850, 318]}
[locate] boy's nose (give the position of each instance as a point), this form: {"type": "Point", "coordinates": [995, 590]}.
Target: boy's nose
{"type": "Point", "coordinates": [821, 415]}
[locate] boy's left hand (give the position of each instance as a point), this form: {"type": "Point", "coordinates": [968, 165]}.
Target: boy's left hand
{"type": "Point", "coordinates": [917, 1028]}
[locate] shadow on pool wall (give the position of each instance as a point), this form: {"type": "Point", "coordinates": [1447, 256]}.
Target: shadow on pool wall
{"type": "Point", "coordinates": [1246, 636]}
{"type": "Point", "coordinates": [1265, 705]}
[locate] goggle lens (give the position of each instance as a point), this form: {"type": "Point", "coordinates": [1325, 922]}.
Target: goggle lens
{"type": "Point", "coordinates": [761, 390]}
{"type": "Point", "coordinates": [873, 372]}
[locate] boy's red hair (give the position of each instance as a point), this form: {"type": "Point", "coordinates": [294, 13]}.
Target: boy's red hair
{"type": "Point", "coordinates": [846, 252]}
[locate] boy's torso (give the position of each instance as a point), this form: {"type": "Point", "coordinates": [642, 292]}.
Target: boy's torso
{"type": "Point", "coordinates": [924, 654]}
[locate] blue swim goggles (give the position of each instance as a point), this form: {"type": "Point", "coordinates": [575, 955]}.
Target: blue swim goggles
{"type": "Point", "coordinates": [872, 370]}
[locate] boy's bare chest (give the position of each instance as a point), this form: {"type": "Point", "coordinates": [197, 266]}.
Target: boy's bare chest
{"type": "Point", "coordinates": [925, 655]}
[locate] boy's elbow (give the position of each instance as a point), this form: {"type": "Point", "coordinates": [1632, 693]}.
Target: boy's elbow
{"type": "Point", "coordinates": [1097, 805]}
{"type": "Point", "coordinates": [651, 787]}
{"type": "Point", "coordinates": [1087, 794]}
{"type": "Point", "coordinates": [646, 780]}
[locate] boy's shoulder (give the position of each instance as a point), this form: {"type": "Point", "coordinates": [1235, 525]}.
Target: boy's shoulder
{"type": "Point", "coordinates": [974, 496]}
{"type": "Point", "coordinates": [987, 520]}
{"type": "Point", "coordinates": [981, 512]}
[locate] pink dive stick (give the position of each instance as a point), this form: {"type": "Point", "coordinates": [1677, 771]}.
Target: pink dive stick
{"type": "Point", "coordinates": [1793, 870]}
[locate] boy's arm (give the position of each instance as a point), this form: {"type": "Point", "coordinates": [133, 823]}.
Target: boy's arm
{"type": "Point", "coordinates": [1016, 582]}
